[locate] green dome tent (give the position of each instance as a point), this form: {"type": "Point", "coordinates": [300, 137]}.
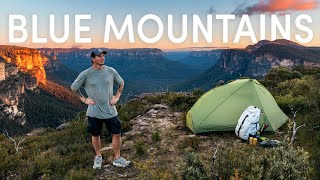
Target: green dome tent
{"type": "Point", "coordinates": [220, 108]}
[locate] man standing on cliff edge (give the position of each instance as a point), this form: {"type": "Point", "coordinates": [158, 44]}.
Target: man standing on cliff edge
{"type": "Point", "coordinates": [98, 83]}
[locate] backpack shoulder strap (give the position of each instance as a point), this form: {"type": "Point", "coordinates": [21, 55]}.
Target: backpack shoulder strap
{"type": "Point", "coordinates": [242, 124]}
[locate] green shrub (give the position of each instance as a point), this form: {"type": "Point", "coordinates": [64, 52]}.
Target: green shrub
{"type": "Point", "coordinates": [51, 155]}
{"type": "Point", "coordinates": [190, 142]}
{"type": "Point", "coordinates": [307, 70]}
{"type": "Point", "coordinates": [154, 99]}
{"type": "Point", "coordinates": [81, 174]}
{"type": "Point", "coordinates": [298, 103]}
{"type": "Point", "coordinates": [198, 92]}
{"type": "Point", "coordinates": [195, 168]}
{"type": "Point", "coordinates": [302, 92]}
{"type": "Point", "coordinates": [251, 162]}
{"type": "Point", "coordinates": [181, 102]}
{"type": "Point", "coordinates": [130, 111]}
{"type": "Point", "coordinates": [3, 152]}
{"type": "Point", "coordinates": [52, 165]}
{"type": "Point", "coordinates": [2, 137]}
{"type": "Point", "coordinates": [285, 161]}
{"type": "Point", "coordinates": [155, 136]}
{"type": "Point", "coordinates": [141, 151]}
{"type": "Point", "coordinates": [257, 163]}
{"type": "Point", "coordinates": [280, 74]}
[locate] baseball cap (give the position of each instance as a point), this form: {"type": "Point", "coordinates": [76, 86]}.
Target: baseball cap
{"type": "Point", "coordinates": [96, 52]}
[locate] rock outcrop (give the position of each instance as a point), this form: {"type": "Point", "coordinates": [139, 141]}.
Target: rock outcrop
{"type": "Point", "coordinates": [26, 59]}
{"type": "Point", "coordinates": [255, 61]}
{"type": "Point", "coordinates": [12, 89]}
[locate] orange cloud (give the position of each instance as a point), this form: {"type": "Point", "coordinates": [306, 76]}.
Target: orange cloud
{"type": "Point", "coordinates": [274, 6]}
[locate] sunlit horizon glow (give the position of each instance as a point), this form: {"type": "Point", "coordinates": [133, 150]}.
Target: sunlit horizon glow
{"type": "Point", "coordinates": [98, 11]}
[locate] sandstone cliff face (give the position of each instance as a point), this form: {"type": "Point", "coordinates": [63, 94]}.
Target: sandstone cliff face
{"type": "Point", "coordinates": [251, 64]}
{"type": "Point", "coordinates": [116, 54]}
{"type": "Point", "coordinates": [11, 98]}
{"type": "Point", "coordinates": [27, 60]}
{"type": "Point", "coordinates": [12, 89]}
{"type": "Point", "coordinates": [255, 61]}
{"type": "Point", "coordinates": [142, 54]}
{"type": "Point", "coordinates": [205, 54]}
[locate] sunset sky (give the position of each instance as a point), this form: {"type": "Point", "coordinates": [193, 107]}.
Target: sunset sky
{"type": "Point", "coordinates": [120, 8]}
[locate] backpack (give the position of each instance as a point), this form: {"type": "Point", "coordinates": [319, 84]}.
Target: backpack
{"type": "Point", "coordinates": [248, 123]}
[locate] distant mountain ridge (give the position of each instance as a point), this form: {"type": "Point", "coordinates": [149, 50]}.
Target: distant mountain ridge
{"type": "Point", "coordinates": [116, 54]}
{"type": "Point", "coordinates": [143, 69]}
{"type": "Point", "coordinates": [254, 61]}
{"type": "Point", "coordinates": [277, 41]}
{"type": "Point", "coordinates": [200, 60]}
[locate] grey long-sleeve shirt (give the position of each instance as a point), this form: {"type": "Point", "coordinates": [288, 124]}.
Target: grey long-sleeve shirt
{"type": "Point", "coordinates": [98, 85]}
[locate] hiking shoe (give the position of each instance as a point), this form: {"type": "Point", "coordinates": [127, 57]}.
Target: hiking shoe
{"type": "Point", "coordinates": [97, 162]}
{"type": "Point", "coordinates": [121, 162]}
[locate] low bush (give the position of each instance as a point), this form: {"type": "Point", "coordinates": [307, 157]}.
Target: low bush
{"type": "Point", "coordinates": [250, 162]}
{"type": "Point", "coordinates": [141, 150]}
{"type": "Point", "coordinates": [180, 102]}
{"type": "Point", "coordinates": [129, 111]}
{"type": "Point", "coordinates": [155, 136]}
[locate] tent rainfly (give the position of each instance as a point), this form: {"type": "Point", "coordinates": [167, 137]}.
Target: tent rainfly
{"type": "Point", "coordinates": [220, 108]}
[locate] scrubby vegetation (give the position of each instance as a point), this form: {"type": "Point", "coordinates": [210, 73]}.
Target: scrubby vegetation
{"type": "Point", "coordinates": [172, 152]}
{"type": "Point", "coordinates": [129, 111]}
{"type": "Point", "coordinates": [53, 155]}
{"type": "Point", "coordinates": [46, 106]}
{"type": "Point", "coordinates": [249, 162]}
{"type": "Point", "coordinates": [299, 90]}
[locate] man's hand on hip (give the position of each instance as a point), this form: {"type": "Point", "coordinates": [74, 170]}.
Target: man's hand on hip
{"type": "Point", "coordinates": [88, 101]}
{"type": "Point", "coordinates": [114, 100]}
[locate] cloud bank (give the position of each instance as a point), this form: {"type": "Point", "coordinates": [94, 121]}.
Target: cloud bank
{"type": "Point", "coordinates": [276, 6]}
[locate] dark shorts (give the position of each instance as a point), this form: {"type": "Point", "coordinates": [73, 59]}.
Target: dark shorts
{"type": "Point", "coordinates": [95, 125]}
